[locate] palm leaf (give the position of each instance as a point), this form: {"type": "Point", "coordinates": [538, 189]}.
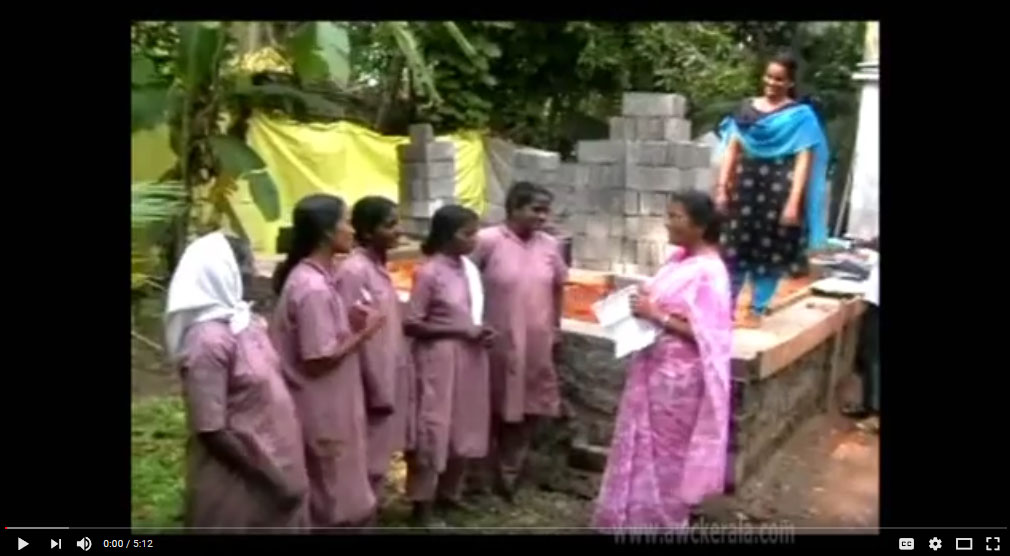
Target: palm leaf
{"type": "Point", "coordinates": [408, 45]}
{"type": "Point", "coordinates": [463, 42]}
{"type": "Point", "coordinates": [321, 51]}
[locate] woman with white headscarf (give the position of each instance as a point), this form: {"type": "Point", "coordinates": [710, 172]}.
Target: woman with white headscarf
{"type": "Point", "coordinates": [246, 466]}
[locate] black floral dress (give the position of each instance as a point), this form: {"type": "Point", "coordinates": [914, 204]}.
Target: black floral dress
{"type": "Point", "coordinates": [754, 240]}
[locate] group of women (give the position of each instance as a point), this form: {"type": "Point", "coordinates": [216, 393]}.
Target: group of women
{"type": "Point", "coordinates": [294, 424]}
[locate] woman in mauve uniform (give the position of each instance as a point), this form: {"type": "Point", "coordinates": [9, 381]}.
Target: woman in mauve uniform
{"type": "Point", "coordinates": [384, 359]}
{"type": "Point", "coordinates": [524, 277]}
{"type": "Point", "coordinates": [444, 319]}
{"type": "Point", "coordinates": [317, 337]}
{"type": "Point", "coordinates": [245, 464]}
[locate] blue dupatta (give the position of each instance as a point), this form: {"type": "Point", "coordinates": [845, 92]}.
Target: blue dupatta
{"type": "Point", "coordinates": [783, 133]}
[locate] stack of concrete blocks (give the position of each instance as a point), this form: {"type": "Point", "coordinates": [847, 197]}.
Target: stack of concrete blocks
{"type": "Point", "coordinates": [427, 179]}
{"type": "Point", "coordinates": [621, 222]}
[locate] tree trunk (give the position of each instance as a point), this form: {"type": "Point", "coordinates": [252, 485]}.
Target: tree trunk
{"type": "Point", "coordinates": [394, 77]}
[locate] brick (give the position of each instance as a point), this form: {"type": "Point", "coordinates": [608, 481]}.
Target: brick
{"type": "Point", "coordinates": [653, 104]}
{"type": "Point", "coordinates": [647, 153]}
{"type": "Point", "coordinates": [574, 175]}
{"type": "Point", "coordinates": [601, 152]}
{"type": "Point", "coordinates": [631, 203]}
{"type": "Point", "coordinates": [653, 178]}
{"type": "Point", "coordinates": [441, 187]}
{"type": "Point", "coordinates": [653, 204]}
{"type": "Point", "coordinates": [536, 158]}
{"type": "Point", "coordinates": [421, 133]}
{"type": "Point", "coordinates": [441, 169]}
{"type": "Point", "coordinates": [606, 176]}
{"type": "Point", "coordinates": [622, 128]}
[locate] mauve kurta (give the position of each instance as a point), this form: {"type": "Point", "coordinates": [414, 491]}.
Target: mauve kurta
{"type": "Point", "coordinates": [233, 382]}
{"type": "Point", "coordinates": [522, 280]}
{"type": "Point", "coordinates": [310, 321]}
{"type": "Point", "coordinates": [383, 358]}
{"type": "Point", "coordinates": [453, 413]}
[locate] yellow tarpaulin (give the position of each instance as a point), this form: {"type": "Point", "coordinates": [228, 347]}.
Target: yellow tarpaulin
{"type": "Point", "coordinates": [342, 159]}
{"type": "Point", "coordinates": [339, 158]}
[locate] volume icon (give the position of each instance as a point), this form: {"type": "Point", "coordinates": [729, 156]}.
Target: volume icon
{"type": "Point", "coordinates": [84, 544]}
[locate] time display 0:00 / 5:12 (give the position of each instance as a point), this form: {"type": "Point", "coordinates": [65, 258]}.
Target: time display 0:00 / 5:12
{"type": "Point", "coordinates": [121, 543]}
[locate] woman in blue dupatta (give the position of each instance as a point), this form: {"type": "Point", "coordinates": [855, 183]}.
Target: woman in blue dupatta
{"type": "Point", "coordinates": [771, 186]}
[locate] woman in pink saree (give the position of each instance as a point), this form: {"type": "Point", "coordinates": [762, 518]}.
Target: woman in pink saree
{"type": "Point", "coordinates": [670, 440]}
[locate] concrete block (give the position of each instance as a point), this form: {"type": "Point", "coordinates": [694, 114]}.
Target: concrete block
{"type": "Point", "coordinates": [648, 254]}
{"type": "Point", "coordinates": [629, 251]}
{"type": "Point", "coordinates": [616, 226]}
{"type": "Point", "coordinates": [662, 129]}
{"type": "Point", "coordinates": [441, 187]}
{"type": "Point", "coordinates": [576, 223]}
{"type": "Point", "coordinates": [702, 156]}
{"type": "Point", "coordinates": [595, 265]}
{"type": "Point", "coordinates": [632, 203]}
{"type": "Point", "coordinates": [606, 201]}
{"type": "Point", "coordinates": [601, 152]}
{"type": "Point", "coordinates": [415, 227]}
{"type": "Point", "coordinates": [536, 158]}
{"type": "Point", "coordinates": [413, 190]}
{"type": "Point", "coordinates": [580, 201]}
{"type": "Point", "coordinates": [653, 204]}
{"type": "Point", "coordinates": [421, 133]}
{"type": "Point", "coordinates": [622, 128]}
{"type": "Point", "coordinates": [587, 247]}
{"type": "Point", "coordinates": [604, 176]}
{"type": "Point", "coordinates": [440, 169]}
{"type": "Point", "coordinates": [699, 179]}
{"type": "Point", "coordinates": [633, 270]}
{"type": "Point", "coordinates": [653, 178]}
{"type": "Point", "coordinates": [435, 150]}
{"type": "Point", "coordinates": [598, 227]}
{"type": "Point", "coordinates": [681, 154]}
{"type": "Point", "coordinates": [653, 229]}
{"type": "Point", "coordinates": [653, 104]}
{"type": "Point", "coordinates": [647, 153]}
{"type": "Point", "coordinates": [632, 226]}
{"type": "Point", "coordinates": [573, 174]}
{"type": "Point", "coordinates": [426, 209]}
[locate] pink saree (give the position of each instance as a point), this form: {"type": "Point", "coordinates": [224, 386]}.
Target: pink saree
{"type": "Point", "coordinates": [670, 441]}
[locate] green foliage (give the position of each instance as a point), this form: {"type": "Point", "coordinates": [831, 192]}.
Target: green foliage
{"type": "Point", "coordinates": [320, 51]}
{"type": "Point", "coordinates": [158, 467]}
{"type": "Point", "coordinates": [154, 207]}
{"type": "Point", "coordinates": [198, 60]}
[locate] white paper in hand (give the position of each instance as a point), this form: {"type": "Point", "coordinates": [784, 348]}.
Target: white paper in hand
{"type": "Point", "coordinates": [629, 334]}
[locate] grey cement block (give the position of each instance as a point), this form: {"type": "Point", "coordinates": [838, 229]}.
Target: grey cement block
{"type": "Point", "coordinates": [441, 187]}
{"type": "Point", "coordinates": [616, 226]}
{"type": "Point", "coordinates": [426, 209]}
{"type": "Point", "coordinates": [606, 201]}
{"type": "Point", "coordinates": [653, 228]}
{"type": "Point", "coordinates": [653, 178]}
{"type": "Point", "coordinates": [595, 265]}
{"type": "Point", "coordinates": [681, 154]}
{"type": "Point", "coordinates": [575, 224]}
{"type": "Point", "coordinates": [702, 179]}
{"type": "Point", "coordinates": [413, 189]}
{"type": "Point", "coordinates": [598, 227]}
{"type": "Point", "coordinates": [605, 176]}
{"type": "Point", "coordinates": [440, 169]}
{"type": "Point", "coordinates": [653, 204]}
{"type": "Point", "coordinates": [653, 104]}
{"type": "Point", "coordinates": [647, 153]}
{"type": "Point", "coordinates": [536, 158]}
{"type": "Point", "coordinates": [632, 226]}
{"type": "Point", "coordinates": [702, 156]}
{"type": "Point", "coordinates": [434, 151]}
{"type": "Point", "coordinates": [629, 251]}
{"type": "Point", "coordinates": [421, 133]}
{"type": "Point", "coordinates": [632, 203]}
{"type": "Point", "coordinates": [648, 254]}
{"type": "Point", "coordinates": [662, 129]}
{"type": "Point", "coordinates": [574, 174]}
{"type": "Point", "coordinates": [601, 152]}
{"type": "Point", "coordinates": [494, 214]}
{"type": "Point", "coordinates": [622, 128]}
{"type": "Point", "coordinates": [593, 248]}
{"type": "Point", "coordinates": [631, 269]}
{"type": "Point", "coordinates": [676, 129]}
{"type": "Point", "coordinates": [415, 227]}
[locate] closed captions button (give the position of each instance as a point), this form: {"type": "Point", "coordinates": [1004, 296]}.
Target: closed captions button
{"type": "Point", "coordinates": [906, 543]}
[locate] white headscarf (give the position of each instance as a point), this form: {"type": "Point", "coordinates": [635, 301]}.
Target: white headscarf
{"type": "Point", "coordinates": [207, 285]}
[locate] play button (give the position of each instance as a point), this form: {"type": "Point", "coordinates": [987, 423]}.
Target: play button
{"type": "Point", "coordinates": [21, 544]}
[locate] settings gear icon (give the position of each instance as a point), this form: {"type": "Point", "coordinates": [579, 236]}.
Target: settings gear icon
{"type": "Point", "coordinates": [935, 543]}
